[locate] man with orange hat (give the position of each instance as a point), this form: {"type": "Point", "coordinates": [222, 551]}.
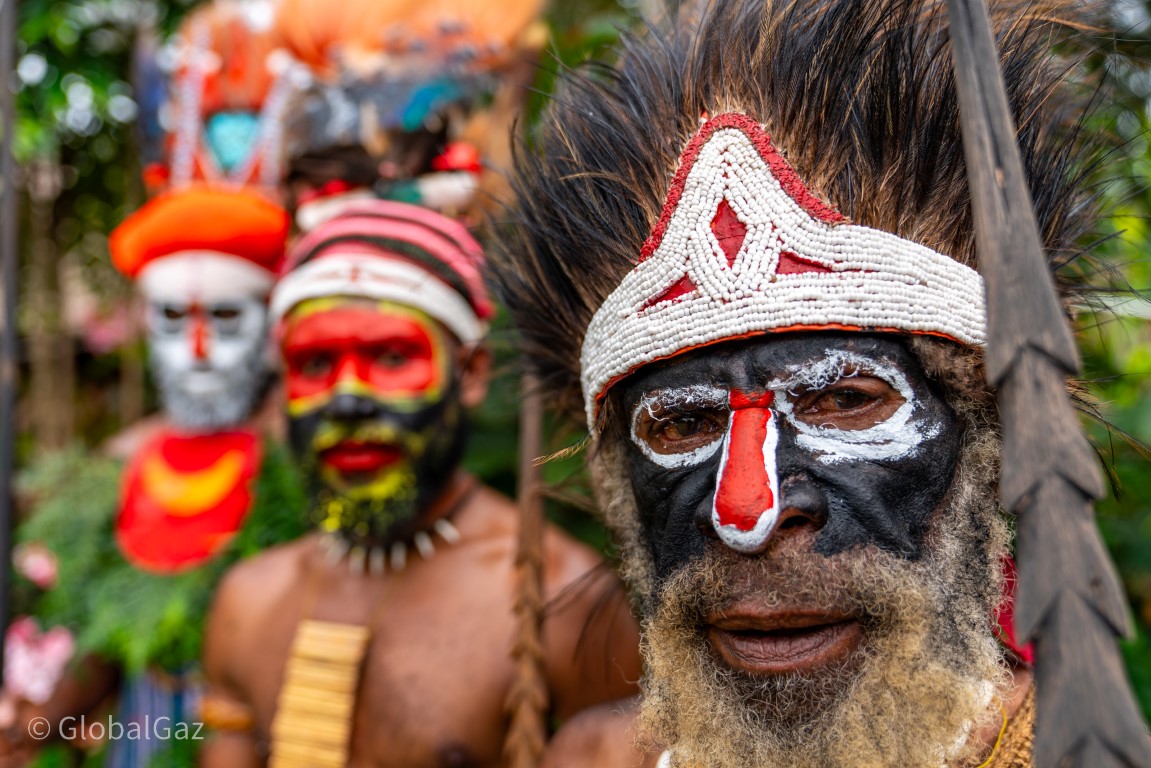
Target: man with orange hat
{"type": "Point", "coordinates": [204, 261]}
{"type": "Point", "coordinates": [385, 638]}
{"type": "Point", "coordinates": [201, 490]}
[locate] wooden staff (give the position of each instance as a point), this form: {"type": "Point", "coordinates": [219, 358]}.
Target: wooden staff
{"type": "Point", "coordinates": [527, 702]}
{"type": "Point", "coordinates": [9, 361]}
{"type": "Point", "coordinates": [1069, 601]}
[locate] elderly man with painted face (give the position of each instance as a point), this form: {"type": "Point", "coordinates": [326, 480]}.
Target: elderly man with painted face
{"type": "Point", "coordinates": [384, 639]}
{"type": "Point", "coordinates": [746, 258]}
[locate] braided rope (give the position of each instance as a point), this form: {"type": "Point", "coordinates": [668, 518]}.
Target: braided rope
{"type": "Point", "coordinates": [527, 701]}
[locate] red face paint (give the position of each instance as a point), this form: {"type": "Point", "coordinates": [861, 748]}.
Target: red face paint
{"type": "Point", "coordinates": [199, 332]}
{"type": "Point", "coordinates": [385, 352]}
{"type": "Point", "coordinates": [746, 491]}
{"type": "Point", "coordinates": [359, 458]}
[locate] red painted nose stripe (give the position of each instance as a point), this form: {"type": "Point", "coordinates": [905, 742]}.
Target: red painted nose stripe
{"type": "Point", "coordinates": [199, 339]}
{"type": "Point", "coordinates": [745, 491]}
{"type": "Point", "coordinates": [741, 400]}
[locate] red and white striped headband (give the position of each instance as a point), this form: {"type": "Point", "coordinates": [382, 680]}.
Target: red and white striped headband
{"type": "Point", "coordinates": [742, 247]}
{"type": "Point", "coordinates": [391, 251]}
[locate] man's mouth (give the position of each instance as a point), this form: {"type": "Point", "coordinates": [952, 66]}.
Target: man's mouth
{"type": "Point", "coordinates": [778, 642]}
{"type": "Point", "coordinates": [354, 457]}
{"type": "Point", "coordinates": [203, 381]}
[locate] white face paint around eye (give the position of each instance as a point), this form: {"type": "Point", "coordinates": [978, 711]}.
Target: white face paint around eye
{"type": "Point", "coordinates": [897, 437]}
{"type": "Point", "coordinates": [696, 396]}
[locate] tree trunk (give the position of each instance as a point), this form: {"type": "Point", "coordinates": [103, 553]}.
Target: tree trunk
{"type": "Point", "coordinates": [50, 350]}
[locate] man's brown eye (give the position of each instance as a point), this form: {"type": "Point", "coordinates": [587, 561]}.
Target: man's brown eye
{"type": "Point", "coordinates": [671, 432]}
{"type": "Point", "coordinates": [858, 402]}
{"type": "Point", "coordinates": [391, 358]}
{"type": "Point", "coordinates": [174, 313]}
{"type": "Point", "coordinates": [843, 400]}
{"type": "Point", "coordinates": [682, 427]}
{"type": "Point", "coordinates": [315, 366]}
{"type": "Point", "coordinates": [226, 313]}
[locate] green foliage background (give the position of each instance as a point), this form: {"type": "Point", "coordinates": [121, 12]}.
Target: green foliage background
{"type": "Point", "coordinates": [78, 116]}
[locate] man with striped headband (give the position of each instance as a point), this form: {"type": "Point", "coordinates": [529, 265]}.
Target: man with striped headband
{"type": "Point", "coordinates": [745, 258]}
{"type": "Point", "coordinates": [384, 639]}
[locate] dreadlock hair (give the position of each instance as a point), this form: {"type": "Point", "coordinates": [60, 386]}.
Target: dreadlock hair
{"type": "Point", "coordinates": [860, 97]}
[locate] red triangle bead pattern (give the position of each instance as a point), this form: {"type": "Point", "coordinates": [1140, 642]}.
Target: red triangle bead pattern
{"type": "Point", "coordinates": [743, 247]}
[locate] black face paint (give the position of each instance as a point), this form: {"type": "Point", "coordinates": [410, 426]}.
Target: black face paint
{"type": "Point", "coordinates": [428, 443]}
{"type": "Point", "coordinates": [866, 462]}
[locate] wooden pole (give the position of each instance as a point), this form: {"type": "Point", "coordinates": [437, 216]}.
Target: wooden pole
{"type": "Point", "coordinates": [527, 702]}
{"type": "Point", "coordinates": [48, 348]}
{"type": "Point", "coordinates": [1069, 601]}
{"type": "Point", "coordinates": [9, 367]}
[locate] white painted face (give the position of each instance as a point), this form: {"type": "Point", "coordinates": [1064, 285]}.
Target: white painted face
{"type": "Point", "coordinates": [207, 321]}
{"type": "Point", "coordinates": [209, 359]}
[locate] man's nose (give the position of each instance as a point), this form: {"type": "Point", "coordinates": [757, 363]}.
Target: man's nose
{"type": "Point", "coordinates": [745, 508]}
{"type": "Point", "coordinates": [199, 338]}
{"type": "Point", "coordinates": [803, 510]}
{"type": "Point", "coordinates": [349, 407]}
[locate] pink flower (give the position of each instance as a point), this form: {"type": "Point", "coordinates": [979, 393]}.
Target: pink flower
{"type": "Point", "coordinates": [34, 661]}
{"type": "Point", "coordinates": [36, 563]}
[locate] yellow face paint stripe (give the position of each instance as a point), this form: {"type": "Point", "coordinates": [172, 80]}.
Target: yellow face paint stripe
{"type": "Point", "coordinates": [404, 404]}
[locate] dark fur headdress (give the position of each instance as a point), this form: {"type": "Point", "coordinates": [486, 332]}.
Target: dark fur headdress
{"type": "Point", "coordinates": [858, 94]}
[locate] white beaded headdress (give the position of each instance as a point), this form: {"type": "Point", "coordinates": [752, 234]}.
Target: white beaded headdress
{"type": "Point", "coordinates": [742, 247]}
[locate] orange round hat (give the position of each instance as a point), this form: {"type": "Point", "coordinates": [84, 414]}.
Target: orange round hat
{"type": "Point", "coordinates": [232, 222]}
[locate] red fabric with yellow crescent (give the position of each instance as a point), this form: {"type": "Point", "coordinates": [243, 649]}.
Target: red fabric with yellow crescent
{"type": "Point", "coordinates": [185, 496]}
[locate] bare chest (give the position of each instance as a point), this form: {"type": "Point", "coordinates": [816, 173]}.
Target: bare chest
{"type": "Point", "coordinates": [434, 674]}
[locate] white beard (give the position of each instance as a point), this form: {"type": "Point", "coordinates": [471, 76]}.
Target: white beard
{"type": "Point", "coordinates": [928, 677]}
{"type": "Point", "coordinates": [226, 399]}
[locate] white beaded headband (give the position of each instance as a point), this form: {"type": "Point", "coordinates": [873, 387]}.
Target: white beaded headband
{"type": "Point", "coordinates": [372, 277]}
{"type": "Point", "coordinates": [742, 247]}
